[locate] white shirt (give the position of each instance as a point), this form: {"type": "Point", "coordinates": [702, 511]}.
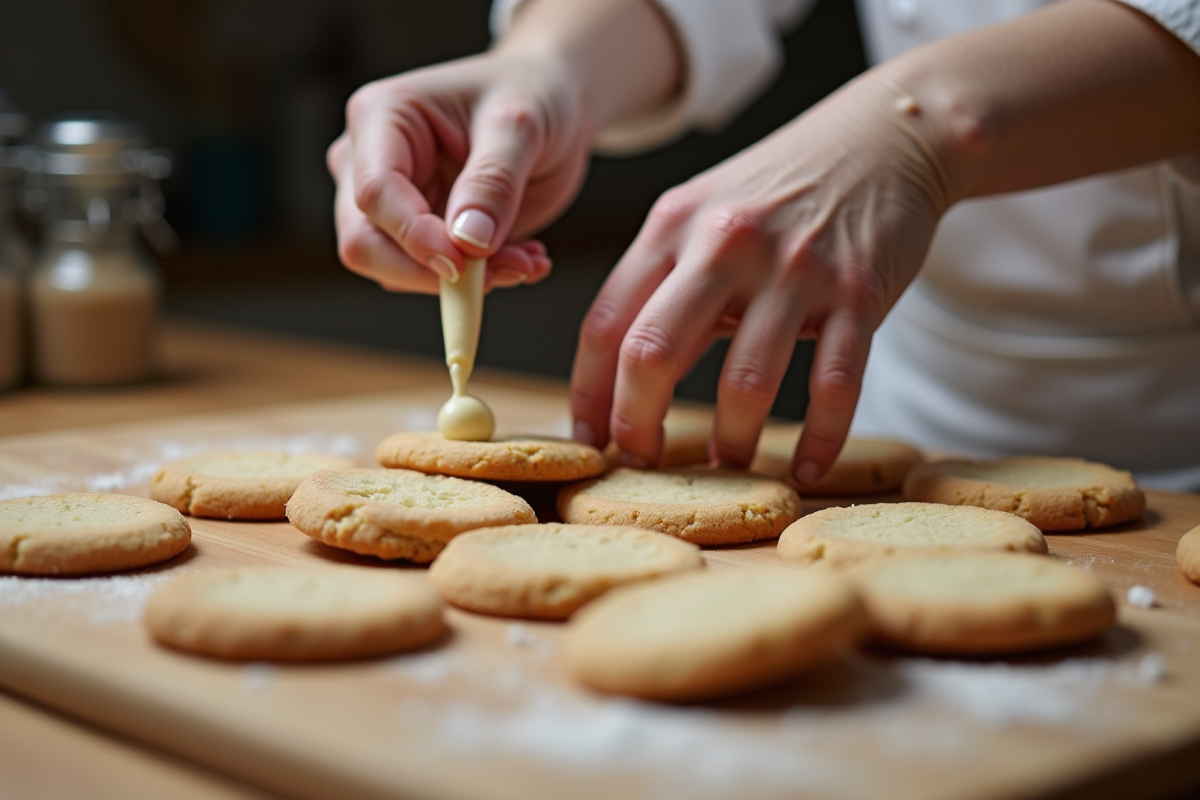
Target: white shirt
{"type": "Point", "coordinates": [1062, 321]}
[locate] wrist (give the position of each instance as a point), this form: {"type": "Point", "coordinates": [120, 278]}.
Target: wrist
{"type": "Point", "coordinates": [941, 115]}
{"type": "Point", "coordinates": [617, 56]}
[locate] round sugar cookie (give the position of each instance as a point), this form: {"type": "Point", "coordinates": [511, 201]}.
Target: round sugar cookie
{"type": "Point", "coordinates": [863, 467]}
{"type": "Point", "coordinates": [296, 613]}
{"type": "Point", "coordinates": [1187, 555]}
{"type": "Point", "coordinates": [842, 536]}
{"type": "Point", "coordinates": [686, 431]}
{"type": "Point", "coordinates": [77, 534]}
{"type": "Point", "coordinates": [549, 571]}
{"type": "Point", "coordinates": [698, 504]}
{"type": "Point", "coordinates": [706, 634]}
{"type": "Point", "coordinates": [238, 485]}
{"type": "Point", "coordinates": [399, 513]}
{"type": "Point", "coordinates": [1055, 494]}
{"type": "Point", "coordinates": [516, 459]}
{"type": "Point", "coordinates": [982, 603]}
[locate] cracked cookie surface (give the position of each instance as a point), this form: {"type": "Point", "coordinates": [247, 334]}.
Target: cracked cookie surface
{"type": "Point", "coordinates": [238, 485]}
{"type": "Point", "coordinates": [842, 536]}
{"type": "Point", "coordinates": [697, 504]}
{"type": "Point", "coordinates": [549, 571]}
{"type": "Point", "coordinates": [515, 459]}
{"type": "Point", "coordinates": [77, 534]}
{"type": "Point", "coordinates": [399, 513]}
{"type": "Point", "coordinates": [1055, 494]}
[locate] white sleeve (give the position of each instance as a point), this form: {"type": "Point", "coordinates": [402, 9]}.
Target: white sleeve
{"type": "Point", "coordinates": [732, 51]}
{"type": "Point", "coordinates": [1180, 17]}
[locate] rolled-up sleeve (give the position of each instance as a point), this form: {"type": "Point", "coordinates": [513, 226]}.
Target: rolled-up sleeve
{"type": "Point", "coordinates": [1180, 17]}
{"type": "Point", "coordinates": [731, 52]}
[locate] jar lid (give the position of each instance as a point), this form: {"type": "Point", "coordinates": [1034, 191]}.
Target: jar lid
{"type": "Point", "coordinates": [91, 144]}
{"type": "Point", "coordinates": [13, 121]}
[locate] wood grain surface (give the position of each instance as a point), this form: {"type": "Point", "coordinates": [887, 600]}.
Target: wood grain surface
{"type": "Point", "coordinates": [490, 714]}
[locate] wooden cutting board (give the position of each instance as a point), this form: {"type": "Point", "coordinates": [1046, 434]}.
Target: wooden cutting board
{"type": "Point", "coordinates": [490, 714]}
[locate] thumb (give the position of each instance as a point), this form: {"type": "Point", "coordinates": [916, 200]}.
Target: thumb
{"type": "Point", "coordinates": [487, 195]}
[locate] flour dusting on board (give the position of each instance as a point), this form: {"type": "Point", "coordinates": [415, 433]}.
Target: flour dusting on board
{"type": "Point", "coordinates": [143, 460]}
{"type": "Point", "coordinates": [908, 708]}
{"type": "Point", "coordinates": [105, 600]}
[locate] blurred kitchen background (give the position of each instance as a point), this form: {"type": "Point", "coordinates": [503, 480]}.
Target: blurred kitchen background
{"type": "Point", "coordinates": [248, 94]}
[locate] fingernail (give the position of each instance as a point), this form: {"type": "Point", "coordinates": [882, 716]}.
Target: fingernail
{"type": "Point", "coordinates": [584, 433]}
{"type": "Point", "coordinates": [634, 461]}
{"type": "Point", "coordinates": [507, 276]}
{"type": "Point", "coordinates": [475, 227]}
{"type": "Point", "coordinates": [806, 473]}
{"type": "Point", "coordinates": [443, 266]}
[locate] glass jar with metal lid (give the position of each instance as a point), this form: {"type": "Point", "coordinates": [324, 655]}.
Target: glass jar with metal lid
{"type": "Point", "coordinates": [93, 295]}
{"type": "Point", "coordinates": [14, 252]}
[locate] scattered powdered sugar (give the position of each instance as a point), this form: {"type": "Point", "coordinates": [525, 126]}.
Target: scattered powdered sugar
{"type": "Point", "coordinates": [1141, 596]}
{"type": "Point", "coordinates": [903, 708]}
{"type": "Point", "coordinates": [1066, 693]}
{"type": "Point", "coordinates": [105, 600]}
{"type": "Point", "coordinates": [517, 635]}
{"type": "Point", "coordinates": [257, 678]}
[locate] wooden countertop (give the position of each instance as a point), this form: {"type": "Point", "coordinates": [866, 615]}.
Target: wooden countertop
{"type": "Point", "coordinates": [61, 661]}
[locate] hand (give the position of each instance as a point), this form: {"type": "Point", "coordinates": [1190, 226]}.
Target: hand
{"type": "Point", "coordinates": [453, 161]}
{"type": "Point", "coordinates": [813, 232]}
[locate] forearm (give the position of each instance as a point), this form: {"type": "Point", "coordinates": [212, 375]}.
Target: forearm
{"type": "Point", "coordinates": [1077, 89]}
{"type": "Point", "coordinates": [621, 54]}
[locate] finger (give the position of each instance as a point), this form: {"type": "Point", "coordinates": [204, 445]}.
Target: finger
{"type": "Point", "coordinates": [368, 251]}
{"type": "Point", "coordinates": [593, 373]}
{"type": "Point", "coordinates": [754, 369]}
{"type": "Point", "coordinates": [833, 387]}
{"type": "Point", "coordinates": [505, 139]}
{"type": "Point", "coordinates": [385, 144]}
{"type": "Point", "coordinates": [516, 264]}
{"type": "Point", "coordinates": [672, 328]}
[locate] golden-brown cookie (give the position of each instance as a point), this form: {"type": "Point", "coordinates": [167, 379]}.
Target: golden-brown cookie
{"type": "Point", "coordinates": [296, 613]}
{"type": "Point", "coordinates": [842, 536]}
{"type": "Point", "coordinates": [686, 431]}
{"type": "Point", "coordinates": [549, 571]}
{"type": "Point", "coordinates": [700, 505]}
{"type": "Point", "coordinates": [982, 603]}
{"type": "Point", "coordinates": [516, 459]}
{"type": "Point", "coordinates": [705, 634]}
{"type": "Point", "coordinates": [863, 467]}
{"type": "Point", "coordinates": [76, 534]}
{"type": "Point", "coordinates": [1187, 555]}
{"type": "Point", "coordinates": [399, 513]}
{"type": "Point", "coordinates": [238, 485]}
{"type": "Point", "coordinates": [1055, 494]}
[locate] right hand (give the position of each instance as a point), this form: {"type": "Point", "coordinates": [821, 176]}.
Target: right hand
{"type": "Point", "coordinates": [458, 160]}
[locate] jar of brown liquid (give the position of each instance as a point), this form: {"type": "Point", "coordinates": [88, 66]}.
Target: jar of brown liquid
{"type": "Point", "coordinates": [14, 255]}
{"type": "Point", "coordinates": [93, 295]}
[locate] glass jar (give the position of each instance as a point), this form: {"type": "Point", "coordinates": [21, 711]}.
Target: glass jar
{"type": "Point", "coordinates": [93, 294]}
{"type": "Point", "coordinates": [14, 252]}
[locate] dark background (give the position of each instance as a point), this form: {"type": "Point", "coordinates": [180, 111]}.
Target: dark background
{"type": "Point", "coordinates": [248, 94]}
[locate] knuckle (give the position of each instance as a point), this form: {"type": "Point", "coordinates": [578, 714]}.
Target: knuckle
{"type": "Point", "coordinates": [364, 98]}
{"type": "Point", "coordinates": [671, 209]}
{"type": "Point", "coordinates": [648, 350]}
{"type": "Point", "coordinates": [863, 291]}
{"type": "Point", "coordinates": [837, 383]}
{"type": "Point", "coordinates": [748, 383]}
{"type": "Point", "coordinates": [369, 188]}
{"type": "Point", "coordinates": [601, 327]}
{"type": "Point", "coordinates": [495, 180]}
{"type": "Point", "coordinates": [518, 118]}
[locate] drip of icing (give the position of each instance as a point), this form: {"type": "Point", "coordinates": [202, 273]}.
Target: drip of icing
{"type": "Point", "coordinates": [463, 417]}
